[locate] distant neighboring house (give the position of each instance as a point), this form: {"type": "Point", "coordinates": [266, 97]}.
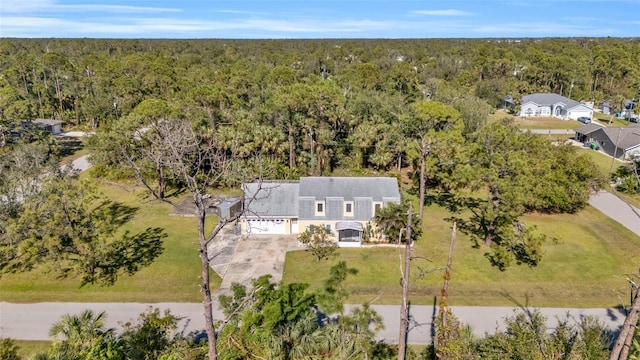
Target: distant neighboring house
{"type": "Point", "coordinates": [620, 142]}
{"type": "Point", "coordinates": [508, 103]}
{"type": "Point", "coordinates": [51, 126]}
{"type": "Point", "coordinates": [628, 109]}
{"type": "Point", "coordinates": [553, 105]}
{"type": "Point", "coordinates": [346, 205]}
{"type": "Point", "coordinates": [605, 107]}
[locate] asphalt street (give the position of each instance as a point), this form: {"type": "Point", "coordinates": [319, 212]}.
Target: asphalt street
{"type": "Point", "coordinates": [33, 321]}
{"type": "Point", "coordinates": [612, 206]}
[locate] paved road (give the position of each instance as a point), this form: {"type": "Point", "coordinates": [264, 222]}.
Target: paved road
{"type": "Point", "coordinates": [552, 131]}
{"type": "Point", "coordinates": [618, 210]}
{"type": "Point", "coordinates": [81, 164]}
{"type": "Point", "coordinates": [32, 321]}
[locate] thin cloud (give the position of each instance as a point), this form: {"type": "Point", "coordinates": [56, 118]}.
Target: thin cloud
{"type": "Point", "coordinates": [241, 12]}
{"type": "Point", "coordinates": [25, 7]}
{"type": "Point", "coordinates": [22, 6]}
{"type": "Point", "coordinates": [114, 8]}
{"type": "Point", "coordinates": [131, 27]}
{"type": "Point", "coordinates": [448, 12]}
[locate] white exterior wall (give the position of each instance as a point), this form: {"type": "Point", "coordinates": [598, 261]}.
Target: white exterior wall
{"type": "Point", "coordinates": [528, 110]}
{"type": "Point", "coordinates": [532, 109]}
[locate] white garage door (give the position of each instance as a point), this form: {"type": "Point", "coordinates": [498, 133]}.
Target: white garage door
{"type": "Point", "coordinates": [575, 114]}
{"type": "Point", "coordinates": [273, 226]}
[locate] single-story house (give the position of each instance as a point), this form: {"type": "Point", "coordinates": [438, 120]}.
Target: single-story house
{"type": "Point", "coordinates": [49, 125]}
{"type": "Point", "coordinates": [619, 142]}
{"type": "Point", "coordinates": [346, 205]}
{"type": "Point", "coordinates": [554, 105]}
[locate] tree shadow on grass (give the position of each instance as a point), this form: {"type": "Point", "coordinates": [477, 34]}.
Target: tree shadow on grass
{"type": "Point", "coordinates": [120, 213]}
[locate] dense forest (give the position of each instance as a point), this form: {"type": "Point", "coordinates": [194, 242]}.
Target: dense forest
{"type": "Point", "coordinates": [339, 95]}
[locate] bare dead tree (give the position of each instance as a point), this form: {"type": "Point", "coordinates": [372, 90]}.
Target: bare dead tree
{"type": "Point", "coordinates": [622, 345]}
{"type": "Point", "coordinates": [199, 163]}
{"type": "Point", "coordinates": [404, 307]}
{"type": "Point", "coordinates": [444, 297]}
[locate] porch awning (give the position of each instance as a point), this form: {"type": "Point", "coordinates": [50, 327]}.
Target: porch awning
{"type": "Point", "coordinates": [348, 225]}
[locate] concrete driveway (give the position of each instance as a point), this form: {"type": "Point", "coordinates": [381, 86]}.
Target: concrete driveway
{"type": "Point", "coordinates": [241, 258]}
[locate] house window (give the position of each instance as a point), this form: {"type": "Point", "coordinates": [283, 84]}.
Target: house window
{"type": "Point", "coordinates": [377, 205]}
{"type": "Point", "coordinates": [319, 208]}
{"type": "Point", "coordinates": [348, 208]}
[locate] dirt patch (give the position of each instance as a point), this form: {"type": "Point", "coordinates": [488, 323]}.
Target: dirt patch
{"type": "Point", "coordinates": [186, 207]}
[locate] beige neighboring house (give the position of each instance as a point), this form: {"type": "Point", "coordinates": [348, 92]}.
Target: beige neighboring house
{"type": "Point", "coordinates": [346, 205]}
{"type": "Point", "coordinates": [554, 105]}
{"type": "Point", "coordinates": [619, 142]}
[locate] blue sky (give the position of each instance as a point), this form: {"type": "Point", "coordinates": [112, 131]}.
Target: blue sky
{"type": "Point", "coordinates": [260, 19]}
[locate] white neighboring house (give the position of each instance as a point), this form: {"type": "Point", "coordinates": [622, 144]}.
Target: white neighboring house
{"type": "Point", "coordinates": [554, 105]}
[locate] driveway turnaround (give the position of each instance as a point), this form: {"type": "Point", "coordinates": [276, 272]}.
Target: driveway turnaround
{"type": "Point", "coordinates": [33, 321]}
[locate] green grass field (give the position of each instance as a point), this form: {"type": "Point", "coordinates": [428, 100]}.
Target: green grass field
{"type": "Point", "coordinates": [173, 277]}
{"type": "Point", "coordinates": [585, 262]}
{"type": "Point", "coordinates": [584, 265]}
{"type": "Point", "coordinates": [536, 122]}
{"type": "Point", "coordinates": [28, 348]}
{"type": "Point", "coordinates": [608, 120]}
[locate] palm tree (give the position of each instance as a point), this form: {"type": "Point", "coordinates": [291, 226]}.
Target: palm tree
{"type": "Point", "coordinates": [79, 333]}
{"type": "Point", "coordinates": [299, 339]}
{"type": "Point", "coordinates": [392, 222]}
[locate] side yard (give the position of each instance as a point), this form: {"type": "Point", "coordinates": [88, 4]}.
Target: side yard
{"type": "Point", "coordinates": [586, 259]}
{"type": "Point", "coordinates": [173, 277]}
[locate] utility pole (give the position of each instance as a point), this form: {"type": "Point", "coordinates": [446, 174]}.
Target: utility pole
{"type": "Point", "coordinates": [404, 308]}
{"type": "Point", "coordinates": [570, 89]}
{"type": "Point", "coordinates": [615, 151]}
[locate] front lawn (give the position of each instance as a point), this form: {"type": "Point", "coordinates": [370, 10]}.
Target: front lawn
{"type": "Point", "coordinates": [585, 262]}
{"type": "Point", "coordinates": [609, 120]}
{"type": "Point", "coordinates": [173, 277]}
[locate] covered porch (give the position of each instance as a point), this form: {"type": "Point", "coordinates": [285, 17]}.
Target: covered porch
{"type": "Point", "coordinates": [349, 233]}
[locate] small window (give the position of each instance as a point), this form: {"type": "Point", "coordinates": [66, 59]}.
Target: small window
{"type": "Point", "coordinates": [348, 208]}
{"type": "Point", "coordinates": [319, 208]}
{"type": "Point", "coordinates": [377, 206]}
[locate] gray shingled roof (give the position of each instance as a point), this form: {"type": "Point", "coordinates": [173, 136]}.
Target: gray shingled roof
{"type": "Point", "coordinates": [588, 128]}
{"type": "Point", "coordinates": [550, 99]}
{"type": "Point", "coordinates": [625, 137]}
{"type": "Point", "coordinates": [349, 187]}
{"type": "Point", "coordinates": [48, 121]}
{"type": "Point", "coordinates": [279, 199]}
